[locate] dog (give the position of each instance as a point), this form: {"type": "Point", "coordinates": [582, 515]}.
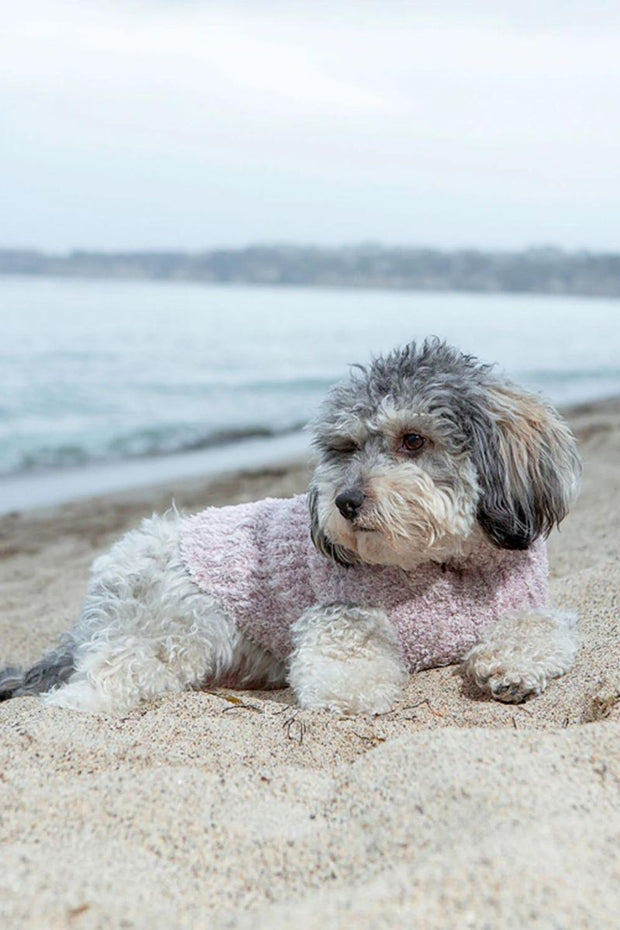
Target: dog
{"type": "Point", "coordinates": [420, 543]}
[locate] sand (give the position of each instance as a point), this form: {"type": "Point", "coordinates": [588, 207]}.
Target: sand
{"type": "Point", "coordinates": [230, 809]}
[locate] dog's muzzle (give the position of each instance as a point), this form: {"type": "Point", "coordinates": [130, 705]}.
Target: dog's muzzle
{"type": "Point", "coordinates": [349, 503]}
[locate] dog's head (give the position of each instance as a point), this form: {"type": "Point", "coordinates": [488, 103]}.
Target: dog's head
{"type": "Point", "coordinates": [426, 446]}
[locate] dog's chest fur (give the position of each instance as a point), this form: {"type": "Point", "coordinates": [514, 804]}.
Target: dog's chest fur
{"type": "Point", "coordinates": [258, 561]}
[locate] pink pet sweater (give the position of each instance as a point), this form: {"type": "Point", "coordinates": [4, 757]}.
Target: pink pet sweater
{"type": "Point", "coordinates": [259, 562]}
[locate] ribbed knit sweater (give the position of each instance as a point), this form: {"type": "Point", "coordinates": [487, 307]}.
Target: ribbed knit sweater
{"type": "Point", "coordinates": [258, 561]}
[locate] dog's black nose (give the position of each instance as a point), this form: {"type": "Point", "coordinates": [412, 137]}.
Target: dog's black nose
{"type": "Point", "coordinates": [349, 503]}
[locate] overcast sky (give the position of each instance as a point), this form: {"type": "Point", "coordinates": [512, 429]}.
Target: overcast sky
{"type": "Point", "coordinates": [195, 124]}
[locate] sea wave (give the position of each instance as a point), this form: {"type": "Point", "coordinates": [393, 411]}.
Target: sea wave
{"type": "Point", "coordinates": [140, 443]}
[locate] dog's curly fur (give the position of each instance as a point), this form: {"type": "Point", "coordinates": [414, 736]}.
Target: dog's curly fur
{"type": "Point", "coordinates": [423, 456]}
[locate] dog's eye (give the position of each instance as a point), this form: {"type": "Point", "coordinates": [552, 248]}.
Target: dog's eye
{"type": "Point", "coordinates": [343, 445]}
{"type": "Point", "coordinates": [412, 442]}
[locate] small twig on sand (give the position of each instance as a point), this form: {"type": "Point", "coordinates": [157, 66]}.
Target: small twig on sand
{"type": "Point", "coordinates": [240, 705]}
{"type": "Point", "coordinates": [400, 710]}
{"type": "Point", "coordinates": [282, 710]}
{"type": "Point", "coordinates": [295, 728]}
{"type": "Point", "coordinates": [235, 702]}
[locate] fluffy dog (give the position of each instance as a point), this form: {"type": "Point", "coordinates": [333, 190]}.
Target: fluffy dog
{"type": "Point", "coordinates": [420, 543]}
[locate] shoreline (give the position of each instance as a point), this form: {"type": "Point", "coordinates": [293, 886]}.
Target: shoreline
{"type": "Point", "coordinates": [148, 476]}
{"type": "Point", "coordinates": [46, 489]}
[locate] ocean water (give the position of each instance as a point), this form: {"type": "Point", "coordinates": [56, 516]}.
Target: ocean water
{"type": "Point", "coordinates": [95, 372]}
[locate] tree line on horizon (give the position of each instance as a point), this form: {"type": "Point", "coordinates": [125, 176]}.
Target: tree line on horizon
{"type": "Point", "coordinates": [534, 270]}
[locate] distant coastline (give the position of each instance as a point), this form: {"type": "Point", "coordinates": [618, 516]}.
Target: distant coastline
{"type": "Point", "coordinates": [531, 271]}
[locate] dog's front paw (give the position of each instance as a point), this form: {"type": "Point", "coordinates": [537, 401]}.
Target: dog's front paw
{"type": "Point", "coordinates": [518, 657]}
{"type": "Point", "coordinates": [511, 686]}
{"type": "Point", "coordinates": [329, 696]}
{"type": "Point", "coordinates": [346, 660]}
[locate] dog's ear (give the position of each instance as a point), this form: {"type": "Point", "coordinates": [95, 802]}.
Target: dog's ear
{"type": "Point", "coordinates": [528, 467]}
{"type": "Point", "coordinates": [330, 550]}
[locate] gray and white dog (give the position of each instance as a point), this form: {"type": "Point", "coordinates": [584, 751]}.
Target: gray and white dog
{"type": "Point", "coordinates": [420, 543]}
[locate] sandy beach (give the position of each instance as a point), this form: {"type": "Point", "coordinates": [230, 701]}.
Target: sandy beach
{"type": "Point", "coordinates": [230, 809]}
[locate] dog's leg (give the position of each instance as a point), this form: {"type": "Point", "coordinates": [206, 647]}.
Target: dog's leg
{"type": "Point", "coordinates": [121, 665]}
{"type": "Point", "coordinates": [346, 659]}
{"type": "Point", "coordinates": [146, 630]}
{"type": "Point", "coordinates": [518, 656]}
{"type": "Point", "coordinates": [116, 675]}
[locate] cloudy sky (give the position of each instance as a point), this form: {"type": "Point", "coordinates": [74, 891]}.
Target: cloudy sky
{"type": "Point", "coordinates": [184, 124]}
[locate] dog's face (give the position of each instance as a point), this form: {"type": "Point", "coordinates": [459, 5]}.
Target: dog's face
{"type": "Point", "coordinates": [425, 450]}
